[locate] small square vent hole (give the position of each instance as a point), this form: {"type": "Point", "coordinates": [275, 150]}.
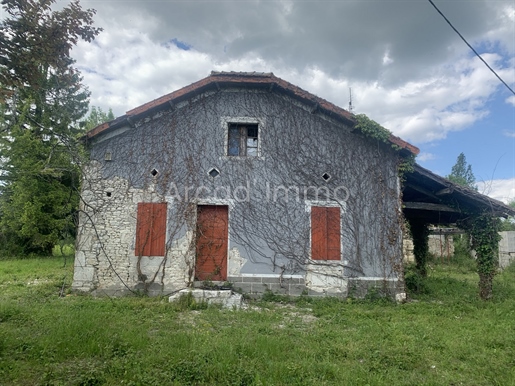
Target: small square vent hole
{"type": "Point", "coordinates": [214, 172]}
{"type": "Point", "coordinates": [326, 176]}
{"type": "Point", "coordinates": [154, 172]}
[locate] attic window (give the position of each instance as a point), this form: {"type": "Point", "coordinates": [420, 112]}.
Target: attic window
{"type": "Point", "coordinates": [243, 139]}
{"type": "Point", "coordinates": [108, 156]}
{"type": "Point", "coordinates": [326, 177]}
{"type": "Point", "coordinates": [154, 172]}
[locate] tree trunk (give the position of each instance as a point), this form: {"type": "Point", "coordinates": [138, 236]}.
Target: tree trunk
{"type": "Point", "coordinates": [485, 285]}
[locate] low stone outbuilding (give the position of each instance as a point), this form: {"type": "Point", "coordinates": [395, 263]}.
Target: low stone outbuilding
{"type": "Point", "coordinates": [507, 249]}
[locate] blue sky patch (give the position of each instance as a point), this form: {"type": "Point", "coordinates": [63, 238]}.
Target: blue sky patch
{"type": "Point", "coordinates": [179, 44]}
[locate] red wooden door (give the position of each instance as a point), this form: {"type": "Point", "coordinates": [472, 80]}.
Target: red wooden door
{"type": "Point", "coordinates": [325, 233]}
{"type": "Point", "coordinates": [212, 239]}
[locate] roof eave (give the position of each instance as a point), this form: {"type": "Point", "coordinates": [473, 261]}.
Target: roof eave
{"type": "Point", "coordinates": [477, 199]}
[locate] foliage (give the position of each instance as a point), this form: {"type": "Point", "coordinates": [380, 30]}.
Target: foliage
{"type": "Point", "coordinates": [42, 98]}
{"type": "Point", "coordinates": [420, 232]}
{"type": "Point", "coordinates": [96, 117]}
{"type": "Point", "coordinates": [463, 253]}
{"type": "Point", "coordinates": [461, 173]}
{"type": "Point", "coordinates": [407, 165]}
{"type": "Point", "coordinates": [414, 281]}
{"type": "Point", "coordinates": [484, 232]}
{"type": "Point", "coordinates": [461, 244]}
{"type": "Point", "coordinates": [509, 223]}
{"type": "Point", "coordinates": [63, 250]}
{"type": "Point", "coordinates": [372, 129]}
{"type": "Point", "coordinates": [446, 337]}
{"type": "Point", "coordinates": [188, 302]}
{"type": "Point", "coordinates": [35, 39]}
{"type": "Point", "coordinates": [39, 198]}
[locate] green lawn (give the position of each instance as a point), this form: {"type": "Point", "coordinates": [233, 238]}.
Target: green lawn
{"type": "Point", "coordinates": [445, 336]}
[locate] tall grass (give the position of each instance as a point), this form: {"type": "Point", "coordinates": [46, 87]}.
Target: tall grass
{"type": "Point", "coordinates": [445, 336]}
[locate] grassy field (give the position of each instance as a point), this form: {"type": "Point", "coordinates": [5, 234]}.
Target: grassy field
{"type": "Point", "coordinates": [444, 336]}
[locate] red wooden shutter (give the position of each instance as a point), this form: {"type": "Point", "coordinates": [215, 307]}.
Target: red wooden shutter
{"type": "Point", "coordinates": [333, 233]}
{"type": "Point", "coordinates": [325, 233]}
{"type": "Point", "coordinates": [318, 233]}
{"type": "Point", "coordinates": [151, 229]}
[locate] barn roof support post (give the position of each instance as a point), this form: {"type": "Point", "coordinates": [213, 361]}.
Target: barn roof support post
{"type": "Point", "coordinates": [420, 234]}
{"type": "Point", "coordinates": [483, 229]}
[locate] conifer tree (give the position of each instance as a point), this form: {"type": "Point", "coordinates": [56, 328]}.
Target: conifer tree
{"type": "Point", "coordinates": [43, 99]}
{"type": "Point", "coordinates": [461, 173]}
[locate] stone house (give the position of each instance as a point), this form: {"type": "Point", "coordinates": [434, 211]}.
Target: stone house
{"type": "Point", "coordinates": [242, 180]}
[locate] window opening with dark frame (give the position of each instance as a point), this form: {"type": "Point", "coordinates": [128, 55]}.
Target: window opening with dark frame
{"type": "Point", "coordinates": [243, 140]}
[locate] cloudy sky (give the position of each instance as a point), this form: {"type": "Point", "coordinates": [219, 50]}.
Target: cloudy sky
{"type": "Point", "coordinates": [406, 67]}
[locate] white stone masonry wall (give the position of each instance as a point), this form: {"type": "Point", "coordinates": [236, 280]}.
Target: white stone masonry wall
{"type": "Point", "coordinates": [105, 257]}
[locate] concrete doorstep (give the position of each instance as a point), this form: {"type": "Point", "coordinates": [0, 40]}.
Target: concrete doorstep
{"type": "Point", "coordinates": [227, 298]}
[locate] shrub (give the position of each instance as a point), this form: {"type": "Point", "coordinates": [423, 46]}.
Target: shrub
{"type": "Point", "coordinates": [414, 281]}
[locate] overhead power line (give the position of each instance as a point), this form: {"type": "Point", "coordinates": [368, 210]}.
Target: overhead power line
{"type": "Point", "coordinates": [472, 48]}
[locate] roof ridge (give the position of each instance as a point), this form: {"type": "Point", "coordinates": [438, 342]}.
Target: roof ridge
{"type": "Point", "coordinates": [243, 73]}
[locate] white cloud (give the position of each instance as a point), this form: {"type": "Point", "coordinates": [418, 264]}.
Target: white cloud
{"type": "Point", "coordinates": [503, 189]}
{"type": "Point", "coordinates": [421, 92]}
{"type": "Point", "coordinates": [510, 134]}
{"type": "Point", "coordinates": [125, 68]}
{"type": "Point", "coordinates": [423, 157]}
{"type": "Point", "coordinates": [502, 31]}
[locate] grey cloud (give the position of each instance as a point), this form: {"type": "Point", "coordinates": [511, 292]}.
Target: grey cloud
{"type": "Point", "coordinates": [342, 38]}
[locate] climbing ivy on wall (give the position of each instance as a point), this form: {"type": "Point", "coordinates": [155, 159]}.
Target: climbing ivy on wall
{"type": "Point", "coordinates": [484, 232]}
{"type": "Point", "coordinates": [483, 228]}
{"type": "Point", "coordinates": [419, 233]}
{"type": "Point", "coordinates": [374, 130]}
{"type": "Point", "coordinates": [271, 225]}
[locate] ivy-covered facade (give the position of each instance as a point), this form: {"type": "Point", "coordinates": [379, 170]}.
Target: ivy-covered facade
{"type": "Point", "coordinates": [242, 180]}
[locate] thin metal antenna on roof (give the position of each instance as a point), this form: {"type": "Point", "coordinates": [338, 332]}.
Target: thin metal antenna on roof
{"type": "Point", "coordinates": [350, 101]}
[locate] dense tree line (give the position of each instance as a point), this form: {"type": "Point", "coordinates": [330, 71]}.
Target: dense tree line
{"type": "Point", "coordinates": [43, 100]}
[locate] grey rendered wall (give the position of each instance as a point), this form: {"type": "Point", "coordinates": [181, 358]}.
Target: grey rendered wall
{"type": "Point", "coordinates": [269, 231]}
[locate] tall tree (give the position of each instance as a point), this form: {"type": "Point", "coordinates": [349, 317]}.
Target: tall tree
{"type": "Point", "coordinates": [96, 117]}
{"type": "Point", "coordinates": [43, 99]}
{"type": "Point", "coordinates": [461, 173]}
{"type": "Point", "coordinates": [35, 39]}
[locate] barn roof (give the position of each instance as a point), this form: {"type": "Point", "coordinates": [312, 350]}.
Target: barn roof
{"type": "Point", "coordinates": [436, 200]}
{"type": "Point", "coordinates": [219, 80]}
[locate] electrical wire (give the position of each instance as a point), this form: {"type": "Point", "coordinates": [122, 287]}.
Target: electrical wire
{"type": "Point", "coordinates": [472, 48]}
